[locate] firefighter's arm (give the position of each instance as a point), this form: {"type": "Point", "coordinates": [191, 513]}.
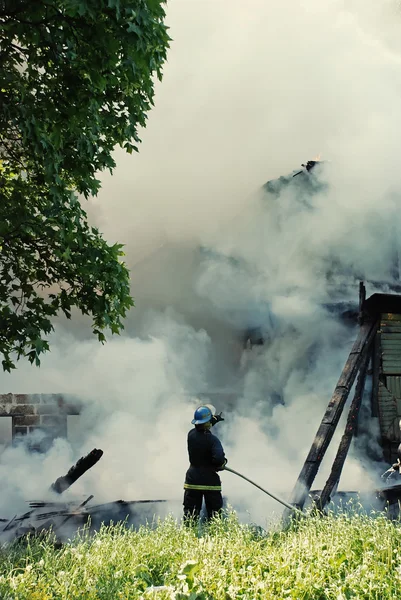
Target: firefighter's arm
{"type": "Point", "coordinates": [216, 419]}
{"type": "Point", "coordinates": [396, 466]}
{"type": "Point", "coordinates": [222, 467]}
{"type": "Point", "coordinates": [219, 460]}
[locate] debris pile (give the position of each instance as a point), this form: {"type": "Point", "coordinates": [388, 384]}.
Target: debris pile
{"type": "Point", "coordinates": [62, 517]}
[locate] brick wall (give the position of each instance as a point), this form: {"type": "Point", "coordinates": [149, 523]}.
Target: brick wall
{"type": "Point", "coordinates": [47, 412]}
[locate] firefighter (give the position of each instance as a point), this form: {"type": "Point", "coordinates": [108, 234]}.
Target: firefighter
{"type": "Point", "coordinates": [395, 468]}
{"type": "Point", "coordinates": [206, 457]}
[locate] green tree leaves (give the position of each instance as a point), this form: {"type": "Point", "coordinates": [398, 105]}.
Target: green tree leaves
{"type": "Point", "coordinates": [77, 80]}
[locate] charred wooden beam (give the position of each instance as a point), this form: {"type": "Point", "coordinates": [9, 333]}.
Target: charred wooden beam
{"type": "Point", "coordinates": [362, 300]}
{"type": "Point", "coordinates": [41, 504]}
{"type": "Point", "coordinates": [84, 464]}
{"type": "Point", "coordinates": [346, 439]}
{"type": "Point", "coordinates": [52, 514]}
{"type": "Point", "coordinates": [333, 413]}
{"type": "Point", "coordinates": [376, 363]}
{"type": "Point", "coordinates": [8, 526]}
{"type": "Point", "coordinates": [74, 513]}
{"type": "Point", "coordinates": [122, 503]}
{"type": "Point", "coordinates": [24, 516]}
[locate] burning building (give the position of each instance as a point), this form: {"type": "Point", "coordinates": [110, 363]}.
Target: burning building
{"type": "Point", "coordinates": [259, 327]}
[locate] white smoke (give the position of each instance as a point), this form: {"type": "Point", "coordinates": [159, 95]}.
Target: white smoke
{"type": "Point", "coordinates": [249, 92]}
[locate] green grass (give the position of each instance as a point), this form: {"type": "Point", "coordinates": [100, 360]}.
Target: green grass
{"type": "Point", "coordinates": [335, 557]}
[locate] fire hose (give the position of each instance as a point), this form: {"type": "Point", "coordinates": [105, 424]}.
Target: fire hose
{"type": "Point", "coordinates": [283, 502]}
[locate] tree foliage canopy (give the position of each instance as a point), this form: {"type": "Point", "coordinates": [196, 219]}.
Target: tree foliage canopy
{"type": "Point", "coordinates": [77, 79]}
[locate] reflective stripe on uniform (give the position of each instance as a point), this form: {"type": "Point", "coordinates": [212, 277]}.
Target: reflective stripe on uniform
{"type": "Point", "coordinates": [211, 488]}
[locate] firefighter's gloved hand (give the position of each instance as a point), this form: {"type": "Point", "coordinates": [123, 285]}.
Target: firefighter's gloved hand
{"type": "Point", "coordinates": [396, 467]}
{"type": "Point", "coordinates": [216, 419]}
{"type": "Point", "coordinates": [221, 468]}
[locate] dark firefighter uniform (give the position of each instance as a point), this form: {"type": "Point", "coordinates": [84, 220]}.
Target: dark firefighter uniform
{"type": "Point", "coordinates": [206, 457]}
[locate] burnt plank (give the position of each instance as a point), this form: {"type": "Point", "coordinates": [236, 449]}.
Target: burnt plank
{"type": "Point", "coordinates": [84, 464]}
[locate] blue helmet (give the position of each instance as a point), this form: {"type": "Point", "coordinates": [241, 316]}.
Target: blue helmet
{"type": "Point", "coordinates": [202, 415]}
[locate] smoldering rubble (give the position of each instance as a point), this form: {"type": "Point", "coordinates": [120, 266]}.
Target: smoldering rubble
{"type": "Point", "coordinates": [64, 518]}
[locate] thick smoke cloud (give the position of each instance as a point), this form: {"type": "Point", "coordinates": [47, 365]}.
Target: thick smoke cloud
{"type": "Point", "coordinates": [249, 93]}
